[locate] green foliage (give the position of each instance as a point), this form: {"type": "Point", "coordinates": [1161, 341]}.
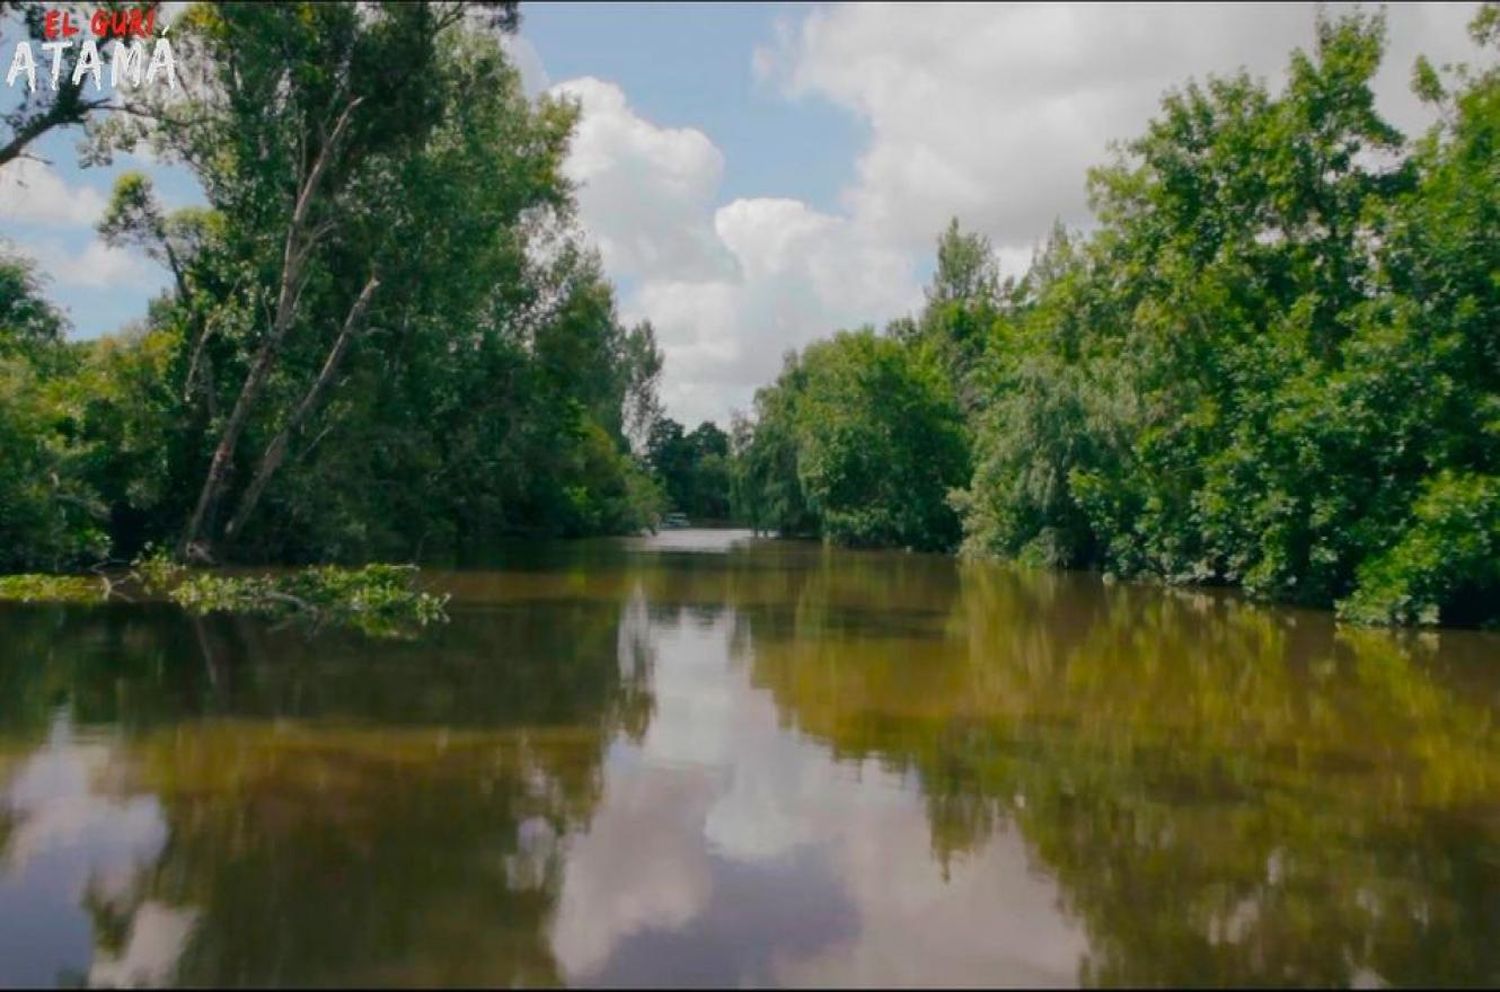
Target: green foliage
{"type": "Point", "coordinates": [693, 469]}
{"type": "Point", "coordinates": [1446, 566]}
{"type": "Point", "coordinates": [50, 517]}
{"type": "Point", "coordinates": [860, 440]}
{"type": "Point", "coordinates": [29, 325]}
{"type": "Point", "coordinates": [156, 570]}
{"type": "Point", "coordinates": [52, 589]}
{"type": "Point", "coordinates": [1274, 363]}
{"type": "Point", "coordinates": [962, 304]}
{"type": "Point", "coordinates": [379, 600]}
{"type": "Point", "coordinates": [768, 488]}
{"type": "Point", "coordinates": [863, 439]}
{"type": "Point", "coordinates": [486, 387]}
{"type": "Point", "coordinates": [880, 443]}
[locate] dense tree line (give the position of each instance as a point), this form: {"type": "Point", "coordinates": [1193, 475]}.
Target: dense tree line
{"type": "Point", "coordinates": [1274, 362]}
{"type": "Point", "coordinates": [859, 440]}
{"type": "Point", "coordinates": [384, 337]}
{"type": "Point", "coordinates": [692, 468]}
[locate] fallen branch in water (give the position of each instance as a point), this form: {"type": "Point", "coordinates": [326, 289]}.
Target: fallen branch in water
{"type": "Point", "coordinates": [52, 589]}
{"type": "Point", "coordinates": [380, 600]}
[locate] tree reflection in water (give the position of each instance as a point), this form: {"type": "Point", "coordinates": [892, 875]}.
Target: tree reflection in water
{"type": "Point", "coordinates": [335, 810]}
{"type": "Point", "coordinates": [1217, 793]}
{"type": "Point", "coordinates": [1226, 794]}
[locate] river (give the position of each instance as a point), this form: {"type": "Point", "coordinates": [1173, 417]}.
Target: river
{"type": "Point", "coordinates": [704, 759]}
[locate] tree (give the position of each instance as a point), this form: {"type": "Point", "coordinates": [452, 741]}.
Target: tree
{"type": "Point", "coordinates": [711, 483]}
{"type": "Point", "coordinates": [963, 302]}
{"type": "Point", "coordinates": [296, 118]}
{"type": "Point", "coordinates": [693, 469]}
{"type": "Point", "coordinates": [859, 441]}
{"type": "Point", "coordinates": [770, 488]}
{"type": "Point", "coordinates": [29, 325]}
{"type": "Point", "coordinates": [1271, 365]}
{"type": "Point", "coordinates": [384, 335]}
{"type": "Point", "coordinates": [49, 516]}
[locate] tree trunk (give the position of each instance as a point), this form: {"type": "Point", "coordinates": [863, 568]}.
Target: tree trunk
{"type": "Point", "coordinates": [294, 260]}
{"type": "Point", "coordinates": [276, 451]}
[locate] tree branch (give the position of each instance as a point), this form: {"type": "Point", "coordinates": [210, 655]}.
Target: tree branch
{"type": "Point", "coordinates": [276, 450]}
{"type": "Point", "coordinates": [294, 258]}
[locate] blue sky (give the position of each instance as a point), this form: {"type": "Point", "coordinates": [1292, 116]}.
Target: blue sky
{"type": "Point", "coordinates": [757, 176]}
{"type": "Point", "coordinates": [689, 65]}
{"type": "Point", "coordinates": [684, 64]}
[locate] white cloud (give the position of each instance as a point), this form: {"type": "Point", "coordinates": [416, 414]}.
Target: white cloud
{"type": "Point", "coordinates": [523, 55]}
{"type": "Point", "coordinates": [728, 289]}
{"type": "Point", "coordinates": [62, 813]}
{"type": "Point", "coordinates": [994, 113]}
{"type": "Point", "coordinates": [33, 192]}
{"type": "Point", "coordinates": [639, 866]}
{"type": "Point", "coordinates": [158, 936]}
{"type": "Point", "coordinates": [96, 266]}
{"type": "Point", "coordinates": [803, 275]}
{"type": "Point", "coordinates": [645, 191]}
{"type": "Point", "coordinates": [992, 921]}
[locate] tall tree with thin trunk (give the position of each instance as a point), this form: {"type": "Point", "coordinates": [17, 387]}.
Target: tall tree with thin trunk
{"type": "Point", "coordinates": [290, 114]}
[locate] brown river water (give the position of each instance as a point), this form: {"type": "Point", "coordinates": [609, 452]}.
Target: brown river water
{"type": "Point", "coordinates": [703, 759]}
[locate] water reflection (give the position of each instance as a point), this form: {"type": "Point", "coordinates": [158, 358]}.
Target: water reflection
{"type": "Point", "coordinates": [67, 847]}
{"type": "Point", "coordinates": [326, 810]}
{"type": "Point", "coordinates": [700, 760]}
{"type": "Point", "coordinates": [1225, 794]}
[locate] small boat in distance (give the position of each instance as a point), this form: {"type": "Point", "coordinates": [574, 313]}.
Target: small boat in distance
{"type": "Point", "coordinates": [674, 521]}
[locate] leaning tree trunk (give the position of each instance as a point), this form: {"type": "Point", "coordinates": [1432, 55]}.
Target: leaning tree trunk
{"type": "Point", "coordinates": [276, 451]}
{"type": "Point", "coordinates": [299, 246]}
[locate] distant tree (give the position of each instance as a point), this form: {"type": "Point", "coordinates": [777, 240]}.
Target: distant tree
{"type": "Point", "coordinates": [28, 323]}
{"type": "Point", "coordinates": [693, 469]}
{"type": "Point", "coordinates": [711, 476]}
{"type": "Point", "coordinates": [858, 441]}
{"type": "Point", "coordinates": [962, 303]}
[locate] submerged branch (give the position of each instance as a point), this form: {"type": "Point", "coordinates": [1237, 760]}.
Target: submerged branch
{"type": "Point", "coordinates": [379, 600]}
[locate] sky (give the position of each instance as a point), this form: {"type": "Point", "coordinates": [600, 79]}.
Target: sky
{"type": "Point", "coordinates": [757, 176]}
